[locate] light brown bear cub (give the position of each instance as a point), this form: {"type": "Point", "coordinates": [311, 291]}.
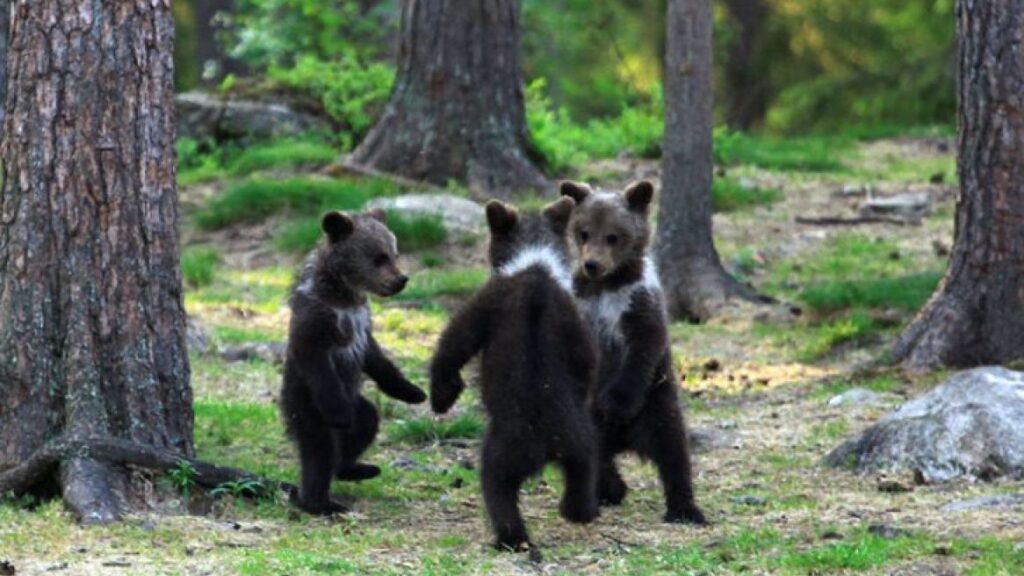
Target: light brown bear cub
{"type": "Point", "coordinates": [330, 346]}
{"type": "Point", "coordinates": [619, 294]}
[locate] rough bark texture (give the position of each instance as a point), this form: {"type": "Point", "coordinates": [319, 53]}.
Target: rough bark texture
{"type": "Point", "coordinates": [695, 282]}
{"type": "Point", "coordinates": [456, 111]}
{"type": "Point", "coordinates": [92, 324]}
{"type": "Point", "coordinates": [747, 86]}
{"type": "Point", "coordinates": [977, 314]}
{"type": "Point", "coordinates": [5, 26]}
{"type": "Point", "coordinates": [214, 63]}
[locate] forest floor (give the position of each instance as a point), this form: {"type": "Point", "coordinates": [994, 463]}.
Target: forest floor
{"type": "Point", "coordinates": [757, 385]}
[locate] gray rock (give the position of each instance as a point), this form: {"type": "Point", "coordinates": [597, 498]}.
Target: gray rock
{"type": "Point", "coordinates": [707, 439]}
{"type": "Point", "coordinates": [855, 397]}
{"type": "Point", "coordinates": [458, 214]}
{"type": "Point", "coordinates": [270, 352]}
{"type": "Point", "coordinates": [997, 501]}
{"type": "Point", "coordinates": [970, 427]}
{"type": "Point", "coordinates": [203, 116]}
{"type": "Point", "coordinates": [909, 204]}
{"type": "Point", "coordinates": [197, 339]}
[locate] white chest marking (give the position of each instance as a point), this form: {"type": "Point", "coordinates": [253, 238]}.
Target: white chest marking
{"type": "Point", "coordinates": [357, 322]}
{"type": "Point", "coordinates": [545, 257]}
{"type": "Point", "coordinates": [604, 311]}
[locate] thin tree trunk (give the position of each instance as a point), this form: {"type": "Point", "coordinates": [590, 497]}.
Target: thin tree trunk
{"type": "Point", "coordinates": [214, 62]}
{"type": "Point", "coordinates": [977, 314]}
{"type": "Point", "coordinates": [695, 282]}
{"type": "Point", "coordinates": [747, 87]}
{"type": "Point", "coordinates": [456, 111]}
{"type": "Point", "coordinates": [92, 324]}
{"type": "Point", "coordinates": [5, 28]}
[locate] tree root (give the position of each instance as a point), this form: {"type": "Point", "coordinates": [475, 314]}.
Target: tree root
{"type": "Point", "coordinates": [115, 451]}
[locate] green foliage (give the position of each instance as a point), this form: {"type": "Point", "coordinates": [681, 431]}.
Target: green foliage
{"type": "Point", "coordinates": [282, 154]}
{"type": "Point", "coordinates": [183, 478]}
{"type": "Point", "coordinates": [239, 335]}
{"type": "Point", "coordinates": [854, 327]}
{"type": "Point", "coordinates": [242, 488]}
{"type": "Point", "coordinates": [425, 429]}
{"type": "Point", "coordinates": [199, 265]}
{"type": "Point", "coordinates": [730, 195]}
{"type": "Point", "coordinates": [256, 199]}
{"type": "Point", "coordinates": [811, 154]}
{"type": "Point", "coordinates": [907, 293]}
{"type": "Point", "coordinates": [431, 283]}
{"type": "Point", "coordinates": [416, 233]}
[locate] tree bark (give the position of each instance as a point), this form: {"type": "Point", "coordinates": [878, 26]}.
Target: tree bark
{"type": "Point", "coordinates": [214, 62]}
{"type": "Point", "coordinates": [456, 111]}
{"type": "Point", "coordinates": [5, 27]}
{"type": "Point", "coordinates": [695, 282]}
{"type": "Point", "coordinates": [976, 315]}
{"type": "Point", "coordinates": [92, 323]}
{"type": "Point", "coordinates": [747, 87]}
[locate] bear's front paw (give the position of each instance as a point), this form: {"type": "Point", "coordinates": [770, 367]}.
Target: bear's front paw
{"type": "Point", "coordinates": [443, 396]}
{"type": "Point", "coordinates": [687, 515]}
{"type": "Point", "coordinates": [410, 393]}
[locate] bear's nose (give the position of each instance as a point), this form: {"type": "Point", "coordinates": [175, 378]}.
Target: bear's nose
{"type": "Point", "coordinates": [591, 267]}
{"type": "Point", "coordinates": [402, 281]}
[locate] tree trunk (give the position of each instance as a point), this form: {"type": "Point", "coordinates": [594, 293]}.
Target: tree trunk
{"type": "Point", "coordinates": [695, 282]}
{"type": "Point", "coordinates": [456, 111]}
{"type": "Point", "coordinates": [5, 28]}
{"type": "Point", "coordinates": [214, 62]}
{"type": "Point", "coordinates": [747, 87]}
{"type": "Point", "coordinates": [92, 323]}
{"type": "Point", "coordinates": [977, 314]}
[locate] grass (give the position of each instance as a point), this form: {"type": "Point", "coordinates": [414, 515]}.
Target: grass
{"type": "Point", "coordinates": [431, 283]}
{"type": "Point", "coordinates": [426, 430]}
{"type": "Point", "coordinates": [199, 265]}
{"type": "Point", "coordinates": [255, 199]}
{"type": "Point", "coordinates": [730, 195]}
{"type": "Point", "coordinates": [907, 293]}
{"type": "Point", "coordinates": [414, 233]}
{"type": "Point", "coordinates": [282, 154]}
{"type": "Point", "coordinates": [805, 154]}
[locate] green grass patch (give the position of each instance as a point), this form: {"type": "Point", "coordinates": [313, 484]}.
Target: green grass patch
{"type": "Point", "coordinates": [426, 429]}
{"type": "Point", "coordinates": [854, 327]}
{"type": "Point", "coordinates": [243, 435]}
{"type": "Point", "coordinates": [282, 154]}
{"type": "Point", "coordinates": [199, 265]}
{"type": "Point", "coordinates": [807, 154]}
{"type": "Point", "coordinates": [256, 199]}
{"type": "Point", "coordinates": [730, 195]}
{"type": "Point", "coordinates": [263, 290]}
{"type": "Point", "coordinates": [431, 283]}
{"type": "Point", "coordinates": [239, 335]}
{"type": "Point", "coordinates": [414, 233]}
{"type": "Point", "coordinates": [906, 293]}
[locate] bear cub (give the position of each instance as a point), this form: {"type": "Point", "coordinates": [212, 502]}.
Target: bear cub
{"type": "Point", "coordinates": [537, 370]}
{"type": "Point", "coordinates": [620, 296]}
{"type": "Point", "coordinates": [330, 346]}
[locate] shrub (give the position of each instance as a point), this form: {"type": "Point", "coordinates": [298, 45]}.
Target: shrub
{"type": "Point", "coordinates": [729, 195]}
{"type": "Point", "coordinates": [198, 266]}
{"type": "Point", "coordinates": [282, 154]}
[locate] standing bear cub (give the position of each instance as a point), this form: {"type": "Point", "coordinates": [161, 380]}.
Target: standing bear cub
{"type": "Point", "coordinates": [537, 369]}
{"type": "Point", "coordinates": [620, 296]}
{"type": "Point", "coordinates": [330, 346]}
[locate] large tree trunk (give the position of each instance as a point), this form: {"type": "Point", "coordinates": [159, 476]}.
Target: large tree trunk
{"type": "Point", "coordinates": [214, 62]}
{"type": "Point", "coordinates": [977, 314]}
{"type": "Point", "coordinates": [92, 324]}
{"type": "Point", "coordinates": [695, 282]}
{"type": "Point", "coordinates": [456, 111]}
{"type": "Point", "coordinates": [747, 87]}
{"type": "Point", "coordinates": [5, 28]}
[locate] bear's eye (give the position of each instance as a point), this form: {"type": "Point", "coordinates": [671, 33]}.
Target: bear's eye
{"type": "Point", "coordinates": [381, 260]}
{"type": "Point", "coordinates": [612, 239]}
{"type": "Point", "coordinates": [584, 236]}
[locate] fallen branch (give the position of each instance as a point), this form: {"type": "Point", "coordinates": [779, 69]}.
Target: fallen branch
{"type": "Point", "coordinates": [24, 476]}
{"type": "Point", "coordinates": [347, 166]}
{"type": "Point", "coordinates": [840, 221]}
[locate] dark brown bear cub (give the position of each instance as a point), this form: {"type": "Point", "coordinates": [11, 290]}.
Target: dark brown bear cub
{"type": "Point", "coordinates": [619, 294]}
{"type": "Point", "coordinates": [537, 369]}
{"type": "Point", "coordinates": [330, 346]}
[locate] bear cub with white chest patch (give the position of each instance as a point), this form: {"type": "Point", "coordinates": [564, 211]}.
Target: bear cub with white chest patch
{"type": "Point", "coordinates": [330, 346]}
{"type": "Point", "coordinates": [537, 370]}
{"type": "Point", "coordinates": [619, 295]}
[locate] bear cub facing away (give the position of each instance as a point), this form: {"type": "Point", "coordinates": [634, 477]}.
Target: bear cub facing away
{"type": "Point", "coordinates": [330, 346]}
{"type": "Point", "coordinates": [537, 370]}
{"type": "Point", "coordinates": [620, 296]}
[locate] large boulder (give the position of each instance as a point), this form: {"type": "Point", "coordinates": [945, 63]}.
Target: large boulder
{"type": "Point", "coordinates": [202, 116]}
{"type": "Point", "coordinates": [458, 214]}
{"type": "Point", "coordinates": [970, 427]}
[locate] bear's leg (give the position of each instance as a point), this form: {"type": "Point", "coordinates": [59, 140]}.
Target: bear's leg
{"type": "Point", "coordinates": [353, 442]}
{"type": "Point", "coordinates": [661, 437]}
{"type": "Point", "coordinates": [506, 462]}
{"type": "Point", "coordinates": [611, 488]}
{"type": "Point", "coordinates": [316, 459]}
{"type": "Point", "coordinates": [579, 464]}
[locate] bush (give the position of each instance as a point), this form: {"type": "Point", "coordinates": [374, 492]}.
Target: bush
{"type": "Point", "coordinates": [729, 195]}
{"type": "Point", "coordinates": [907, 293]}
{"type": "Point", "coordinates": [199, 265]}
{"type": "Point", "coordinates": [282, 154]}
{"type": "Point", "coordinates": [811, 154]}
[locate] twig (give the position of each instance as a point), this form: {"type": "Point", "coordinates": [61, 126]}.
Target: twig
{"type": "Point", "coordinates": [840, 221]}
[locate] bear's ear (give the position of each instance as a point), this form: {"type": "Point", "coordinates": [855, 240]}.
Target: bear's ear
{"type": "Point", "coordinates": [501, 217]}
{"type": "Point", "coordinates": [578, 191]}
{"type": "Point", "coordinates": [338, 226]}
{"type": "Point", "coordinates": [557, 214]}
{"type": "Point", "coordinates": [378, 214]}
{"type": "Point", "coordinates": [639, 195]}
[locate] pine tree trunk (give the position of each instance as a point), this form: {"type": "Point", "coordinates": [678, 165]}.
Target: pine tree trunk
{"type": "Point", "coordinates": [456, 111]}
{"type": "Point", "coordinates": [977, 314]}
{"type": "Point", "coordinates": [92, 323]}
{"type": "Point", "coordinates": [5, 27]}
{"type": "Point", "coordinates": [747, 86]}
{"type": "Point", "coordinates": [695, 282]}
{"type": "Point", "coordinates": [214, 62]}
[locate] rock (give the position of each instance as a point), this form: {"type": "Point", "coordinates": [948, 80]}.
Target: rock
{"type": "Point", "coordinates": [853, 189]}
{"type": "Point", "coordinates": [890, 486]}
{"type": "Point", "coordinates": [970, 427]}
{"type": "Point", "coordinates": [270, 352]}
{"type": "Point", "coordinates": [458, 214]}
{"type": "Point", "coordinates": [750, 500]}
{"type": "Point", "coordinates": [202, 116]}
{"type": "Point", "coordinates": [997, 501]}
{"type": "Point", "coordinates": [197, 339]}
{"type": "Point", "coordinates": [855, 397]}
{"type": "Point", "coordinates": [703, 440]}
{"type": "Point", "coordinates": [909, 204]}
{"type": "Point", "coordinates": [886, 531]}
